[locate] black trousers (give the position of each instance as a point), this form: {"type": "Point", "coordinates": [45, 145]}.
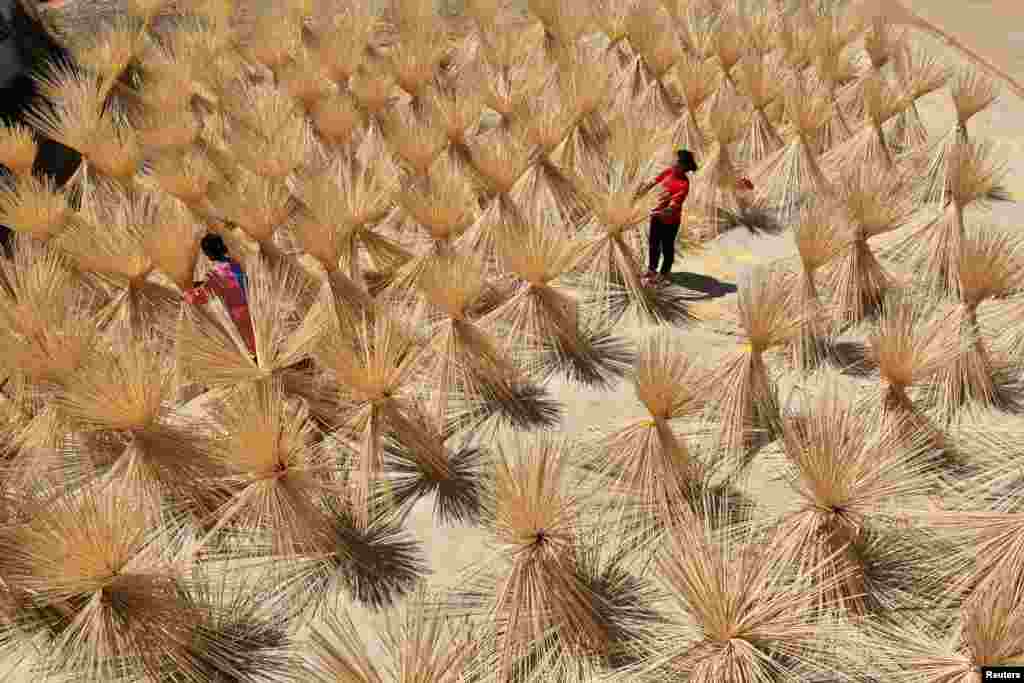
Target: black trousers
{"type": "Point", "coordinates": [661, 245]}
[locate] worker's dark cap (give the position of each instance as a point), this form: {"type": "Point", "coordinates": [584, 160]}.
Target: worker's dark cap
{"type": "Point", "coordinates": [686, 160]}
{"type": "Point", "coordinates": [213, 246]}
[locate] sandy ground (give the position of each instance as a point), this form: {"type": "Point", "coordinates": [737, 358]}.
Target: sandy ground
{"type": "Point", "coordinates": [982, 24]}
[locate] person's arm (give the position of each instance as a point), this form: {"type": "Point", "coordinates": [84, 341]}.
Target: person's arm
{"type": "Point", "coordinates": [646, 187]}
{"type": "Point", "coordinates": [202, 290]}
{"type": "Point", "coordinates": [197, 296]}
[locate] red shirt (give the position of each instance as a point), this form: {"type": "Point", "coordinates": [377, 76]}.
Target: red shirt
{"type": "Point", "coordinates": [674, 189]}
{"type": "Point", "coordinates": [228, 282]}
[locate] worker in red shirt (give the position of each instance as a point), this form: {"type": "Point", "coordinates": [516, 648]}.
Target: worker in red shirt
{"type": "Point", "coordinates": [228, 282]}
{"type": "Point", "coordinates": [675, 186]}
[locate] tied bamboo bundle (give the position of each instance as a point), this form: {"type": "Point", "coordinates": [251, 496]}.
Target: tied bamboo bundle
{"type": "Point", "coordinates": [882, 41]}
{"type": "Point", "coordinates": [376, 374]}
{"type": "Point", "coordinates": [89, 576]}
{"type": "Point", "coordinates": [80, 117]}
{"type": "Point", "coordinates": [273, 134]}
{"type": "Point", "coordinates": [913, 340]}
{"type": "Point", "coordinates": [657, 50]}
{"type": "Point", "coordinates": [500, 159]}
{"type": "Point", "coordinates": [531, 589]}
{"type": "Point", "coordinates": [109, 238]}
{"type": "Point", "coordinates": [588, 85]}
{"type": "Point", "coordinates": [796, 38]}
{"type": "Point", "coordinates": [306, 80]}
{"type": "Point", "coordinates": [174, 248]}
{"type": "Point", "coordinates": [509, 65]}
{"type": "Point", "coordinates": [847, 474]}
{"type": "Point", "coordinates": [285, 497]}
{"type": "Point", "coordinates": [262, 468]}
{"type": "Point", "coordinates": [338, 119]}
{"type": "Point", "coordinates": [35, 206]}
{"type": "Point", "coordinates": [727, 45]}
{"type": "Point", "coordinates": [545, 327]}
{"type": "Point", "coordinates": [986, 633]}
{"type": "Point", "coordinates": [736, 604]}
{"type": "Point", "coordinates": [415, 137]}
{"type": "Point", "coordinates": [18, 149]}
{"type": "Point", "coordinates": [459, 107]}
{"type": "Point", "coordinates": [608, 257]}
{"type": "Point", "coordinates": [407, 481]}
{"type": "Point", "coordinates": [719, 202]}
{"type": "Point", "coordinates": [544, 123]}
{"type": "Point", "coordinates": [698, 80]}
{"type": "Point", "coordinates": [421, 44]}
{"type": "Point", "coordinates": [252, 208]}
{"type": "Point", "coordinates": [987, 516]}
{"type": "Point", "coordinates": [868, 150]}
{"type": "Point", "coordinates": [611, 579]}
{"type": "Point", "coordinates": [467, 361]}
{"type": "Point", "coordinates": [189, 176]}
{"type": "Point", "coordinates": [341, 202]}
{"type": "Point", "coordinates": [441, 209]}
{"type": "Point", "coordinates": [370, 368]}
{"type": "Point", "coordinates": [975, 170]}
{"type": "Point", "coordinates": [164, 117]}
{"type": "Point", "coordinates": [872, 205]}
{"type": "Point", "coordinates": [743, 396]}
{"type": "Point", "coordinates": [564, 24]}
{"type": "Point", "coordinates": [971, 92]}
{"type": "Point", "coordinates": [373, 87]}
{"type": "Point", "coordinates": [760, 26]}
{"type": "Point", "coordinates": [48, 334]}
{"type": "Point", "coordinates": [758, 79]}
{"type": "Point", "coordinates": [121, 396]}
{"type": "Point", "coordinates": [612, 17]}
{"type": "Point", "coordinates": [649, 473]}
{"type": "Point", "coordinates": [788, 177]}
{"type": "Point", "coordinates": [697, 20]}
{"type": "Point", "coordinates": [834, 68]}
{"type": "Point", "coordinates": [819, 237]}
{"type": "Point", "coordinates": [716, 41]}
{"type": "Point", "coordinates": [343, 37]}
{"type": "Point", "coordinates": [273, 35]}
{"type": "Point", "coordinates": [990, 268]}
{"type": "Point", "coordinates": [920, 74]}
{"type": "Point", "coordinates": [48, 313]}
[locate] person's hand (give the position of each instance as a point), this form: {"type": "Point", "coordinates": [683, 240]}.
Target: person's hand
{"type": "Point", "coordinates": [744, 185]}
{"type": "Point", "coordinates": [197, 296]}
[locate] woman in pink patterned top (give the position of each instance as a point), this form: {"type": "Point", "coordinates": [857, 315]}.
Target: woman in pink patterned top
{"type": "Point", "coordinates": [228, 282]}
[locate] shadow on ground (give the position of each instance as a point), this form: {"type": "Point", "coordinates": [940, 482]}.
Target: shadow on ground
{"type": "Point", "coordinates": [757, 221]}
{"type": "Point", "coordinates": [705, 286]}
{"type": "Point", "coordinates": [851, 358]}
